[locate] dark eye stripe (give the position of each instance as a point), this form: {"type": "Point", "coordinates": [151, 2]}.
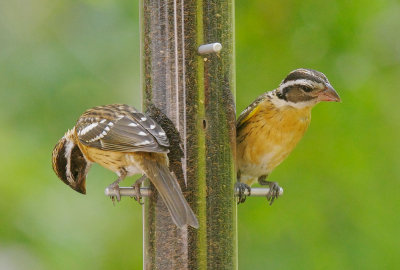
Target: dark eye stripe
{"type": "Point", "coordinates": [294, 94]}
{"type": "Point", "coordinates": [305, 88]}
{"type": "Point", "coordinates": [282, 95]}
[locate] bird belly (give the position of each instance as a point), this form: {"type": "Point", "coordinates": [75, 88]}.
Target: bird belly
{"type": "Point", "coordinates": [266, 158]}
{"type": "Point", "coordinates": [131, 168]}
{"type": "Point", "coordinates": [114, 161]}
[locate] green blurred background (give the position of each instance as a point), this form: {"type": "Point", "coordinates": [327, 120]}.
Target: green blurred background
{"type": "Point", "coordinates": [341, 204]}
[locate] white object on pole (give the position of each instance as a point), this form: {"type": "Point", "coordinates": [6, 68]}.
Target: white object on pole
{"type": "Point", "coordinates": [210, 48]}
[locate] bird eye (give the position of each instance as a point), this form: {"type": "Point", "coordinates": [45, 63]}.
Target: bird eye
{"type": "Point", "coordinates": [306, 88]}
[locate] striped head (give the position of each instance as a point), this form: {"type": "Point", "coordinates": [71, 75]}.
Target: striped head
{"type": "Point", "coordinates": [69, 163]}
{"type": "Point", "coordinates": [305, 88]}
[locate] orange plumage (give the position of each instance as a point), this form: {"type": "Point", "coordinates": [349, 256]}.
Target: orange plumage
{"type": "Point", "coordinates": [269, 129]}
{"type": "Point", "coordinates": [264, 146]}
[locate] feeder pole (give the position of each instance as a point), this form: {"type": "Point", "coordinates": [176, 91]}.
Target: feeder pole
{"type": "Point", "coordinates": [192, 86]}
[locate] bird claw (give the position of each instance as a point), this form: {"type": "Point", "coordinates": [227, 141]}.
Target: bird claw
{"type": "Point", "coordinates": [274, 190]}
{"type": "Point", "coordinates": [241, 198]}
{"type": "Point", "coordinates": [115, 188]}
{"type": "Point", "coordinates": [138, 196]}
{"type": "Point", "coordinates": [136, 186]}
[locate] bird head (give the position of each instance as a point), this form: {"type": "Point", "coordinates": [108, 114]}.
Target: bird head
{"type": "Point", "coordinates": [70, 164]}
{"type": "Point", "coordinates": [305, 88]}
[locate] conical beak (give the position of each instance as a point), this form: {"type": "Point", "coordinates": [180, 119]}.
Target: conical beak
{"type": "Point", "coordinates": [329, 94]}
{"type": "Point", "coordinates": [81, 186]}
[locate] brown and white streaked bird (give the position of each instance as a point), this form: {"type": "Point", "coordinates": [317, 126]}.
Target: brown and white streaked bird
{"type": "Point", "coordinates": [269, 129]}
{"type": "Point", "coordinates": [127, 142]}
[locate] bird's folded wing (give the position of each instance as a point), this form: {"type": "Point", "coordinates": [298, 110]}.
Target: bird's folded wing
{"type": "Point", "coordinates": [129, 133]}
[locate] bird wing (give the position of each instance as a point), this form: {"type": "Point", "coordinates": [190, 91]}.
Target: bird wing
{"type": "Point", "coordinates": [121, 128]}
{"type": "Point", "coordinates": [251, 110]}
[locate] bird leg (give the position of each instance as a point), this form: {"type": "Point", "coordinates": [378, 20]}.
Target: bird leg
{"type": "Point", "coordinates": [274, 188]}
{"type": "Point", "coordinates": [241, 189]}
{"type": "Point", "coordinates": [136, 186]}
{"type": "Point", "coordinates": [115, 186]}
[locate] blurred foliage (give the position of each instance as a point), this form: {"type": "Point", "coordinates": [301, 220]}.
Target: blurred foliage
{"type": "Point", "coordinates": [58, 58]}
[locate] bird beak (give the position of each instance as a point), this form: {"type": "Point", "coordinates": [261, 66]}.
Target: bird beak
{"type": "Point", "coordinates": [78, 182]}
{"type": "Point", "coordinates": [328, 94]}
{"type": "Point", "coordinates": [81, 186]}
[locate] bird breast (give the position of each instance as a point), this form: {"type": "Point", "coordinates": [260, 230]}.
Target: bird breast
{"type": "Point", "coordinates": [270, 135]}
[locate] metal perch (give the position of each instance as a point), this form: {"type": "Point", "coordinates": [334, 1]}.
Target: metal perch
{"type": "Point", "coordinates": [146, 192]}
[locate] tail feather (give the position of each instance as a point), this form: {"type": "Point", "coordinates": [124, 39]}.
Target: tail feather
{"type": "Point", "coordinates": [171, 193]}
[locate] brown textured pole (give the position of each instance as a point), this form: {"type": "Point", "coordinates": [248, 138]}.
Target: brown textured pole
{"type": "Point", "coordinates": [191, 96]}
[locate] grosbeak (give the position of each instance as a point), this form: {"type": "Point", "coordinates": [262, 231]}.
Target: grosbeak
{"type": "Point", "coordinates": [270, 128]}
{"type": "Point", "coordinates": [127, 142]}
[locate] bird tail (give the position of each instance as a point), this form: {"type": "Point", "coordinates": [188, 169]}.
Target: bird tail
{"type": "Point", "coordinates": [170, 191]}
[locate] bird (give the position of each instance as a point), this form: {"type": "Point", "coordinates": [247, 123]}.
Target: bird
{"type": "Point", "coordinates": [127, 142]}
{"type": "Point", "coordinates": [269, 128]}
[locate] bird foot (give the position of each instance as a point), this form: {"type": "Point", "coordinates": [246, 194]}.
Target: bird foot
{"type": "Point", "coordinates": [241, 197]}
{"type": "Point", "coordinates": [136, 186]}
{"type": "Point", "coordinates": [273, 193]}
{"type": "Point", "coordinates": [115, 187]}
